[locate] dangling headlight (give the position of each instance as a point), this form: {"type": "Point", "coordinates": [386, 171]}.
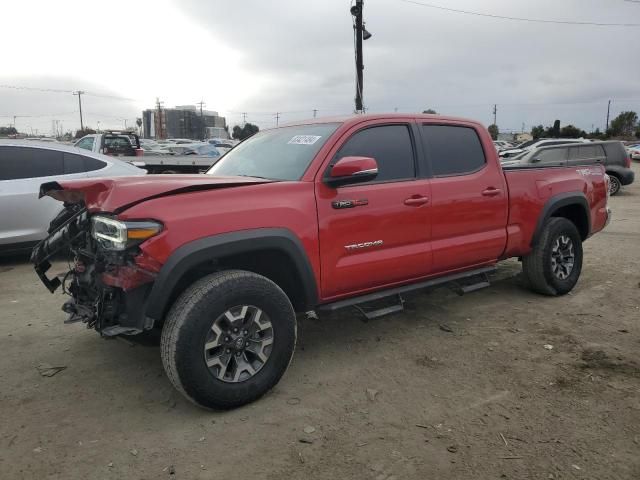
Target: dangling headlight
{"type": "Point", "coordinates": [112, 234]}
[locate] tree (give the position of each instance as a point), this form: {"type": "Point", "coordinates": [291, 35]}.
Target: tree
{"type": "Point", "coordinates": [86, 131]}
{"type": "Point", "coordinates": [430, 110]}
{"type": "Point", "coordinates": [537, 132]}
{"type": "Point", "coordinates": [240, 133]}
{"type": "Point", "coordinates": [8, 131]}
{"type": "Point", "coordinates": [624, 125]}
{"type": "Point", "coordinates": [494, 131]}
{"type": "Point", "coordinates": [570, 131]}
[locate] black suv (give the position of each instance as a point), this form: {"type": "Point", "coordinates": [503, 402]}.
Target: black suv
{"type": "Point", "coordinates": [611, 154]}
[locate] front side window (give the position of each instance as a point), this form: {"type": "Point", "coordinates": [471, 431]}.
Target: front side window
{"type": "Point", "coordinates": [86, 143]}
{"type": "Point", "coordinates": [278, 154]}
{"type": "Point", "coordinates": [389, 145]}
{"type": "Point", "coordinates": [551, 155]}
{"type": "Point", "coordinates": [453, 150]}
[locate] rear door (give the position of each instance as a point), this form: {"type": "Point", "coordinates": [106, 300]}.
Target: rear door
{"type": "Point", "coordinates": [375, 234]}
{"type": "Point", "coordinates": [469, 198]}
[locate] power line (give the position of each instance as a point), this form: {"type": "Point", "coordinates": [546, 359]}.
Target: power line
{"type": "Point", "coordinates": [521, 19]}
{"type": "Point", "coordinates": [59, 90]}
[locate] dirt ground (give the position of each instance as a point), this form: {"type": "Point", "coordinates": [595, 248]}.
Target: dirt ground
{"type": "Point", "coordinates": [454, 387]}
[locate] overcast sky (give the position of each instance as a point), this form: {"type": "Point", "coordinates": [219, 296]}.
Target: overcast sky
{"type": "Point", "coordinates": [294, 56]}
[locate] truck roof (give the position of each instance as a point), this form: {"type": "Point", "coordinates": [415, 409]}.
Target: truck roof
{"type": "Point", "coordinates": [359, 118]}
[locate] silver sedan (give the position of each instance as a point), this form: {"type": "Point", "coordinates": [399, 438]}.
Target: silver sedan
{"type": "Point", "coordinates": [24, 166]}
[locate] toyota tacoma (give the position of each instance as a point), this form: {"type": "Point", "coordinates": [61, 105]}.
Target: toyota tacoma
{"type": "Point", "coordinates": [320, 215]}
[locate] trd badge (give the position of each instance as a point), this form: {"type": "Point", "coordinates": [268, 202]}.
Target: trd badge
{"type": "Point", "coordinates": [349, 203]}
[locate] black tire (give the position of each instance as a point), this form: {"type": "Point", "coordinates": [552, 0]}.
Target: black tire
{"type": "Point", "coordinates": [614, 185]}
{"type": "Point", "coordinates": [537, 266]}
{"type": "Point", "coordinates": [190, 322]}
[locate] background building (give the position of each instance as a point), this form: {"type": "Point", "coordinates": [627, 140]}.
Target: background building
{"type": "Point", "coordinates": [183, 121]}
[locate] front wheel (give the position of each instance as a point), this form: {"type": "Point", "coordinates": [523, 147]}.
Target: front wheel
{"type": "Point", "coordinates": [228, 339]}
{"type": "Point", "coordinates": [554, 265]}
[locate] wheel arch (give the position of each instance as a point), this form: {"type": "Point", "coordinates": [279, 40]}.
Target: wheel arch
{"type": "Point", "coordinates": [571, 205]}
{"type": "Point", "coordinates": [275, 253]}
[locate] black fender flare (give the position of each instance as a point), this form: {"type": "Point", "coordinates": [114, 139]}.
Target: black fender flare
{"type": "Point", "coordinates": [205, 249]}
{"type": "Point", "coordinates": [557, 202]}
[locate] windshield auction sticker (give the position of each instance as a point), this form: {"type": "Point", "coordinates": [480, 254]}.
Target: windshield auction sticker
{"type": "Point", "coordinates": [304, 139]}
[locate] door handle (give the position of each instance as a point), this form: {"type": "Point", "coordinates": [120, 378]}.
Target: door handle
{"type": "Point", "coordinates": [491, 192]}
{"type": "Point", "coordinates": [416, 201]}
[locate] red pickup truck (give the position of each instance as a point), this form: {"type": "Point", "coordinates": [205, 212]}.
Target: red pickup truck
{"type": "Point", "coordinates": [320, 215]}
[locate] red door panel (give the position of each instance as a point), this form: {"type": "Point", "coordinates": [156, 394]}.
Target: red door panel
{"type": "Point", "coordinates": [380, 243]}
{"type": "Point", "coordinates": [469, 215]}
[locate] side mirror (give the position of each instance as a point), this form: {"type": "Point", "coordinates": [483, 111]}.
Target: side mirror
{"type": "Point", "coordinates": [350, 170]}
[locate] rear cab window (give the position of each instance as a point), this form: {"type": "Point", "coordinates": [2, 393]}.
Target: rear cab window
{"type": "Point", "coordinates": [452, 149]}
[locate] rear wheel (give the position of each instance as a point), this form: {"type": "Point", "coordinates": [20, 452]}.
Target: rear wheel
{"type": "Point", "coordinates": [228, 339]}
{"type": "Point", "coordinates": [554, 265]}
{"type": "Point", "coordinates": [614, 185]}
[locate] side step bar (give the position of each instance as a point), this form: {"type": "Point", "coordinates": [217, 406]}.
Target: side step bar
{"type": "Point", "coordinates": [464, 282]}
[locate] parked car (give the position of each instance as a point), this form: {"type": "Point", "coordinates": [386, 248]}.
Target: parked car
{"type": "Point", "coordinates": [539, 142]}
{"type": "Point", "coordinates": [114, 143]}
{"type": "Point", "coordinates": [24, 166]}
{"type": "Point", "coordinates": [634, 152]}
{"type": "Point", "coordinates": [318, 216]}
{"type": "Point", "coordinates": [502, 145]}
{"type": "Point", "coordinates": [611, 154]}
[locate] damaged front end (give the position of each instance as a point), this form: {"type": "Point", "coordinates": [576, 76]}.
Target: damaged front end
{"type": "Point", "coordinates": [109, 277]}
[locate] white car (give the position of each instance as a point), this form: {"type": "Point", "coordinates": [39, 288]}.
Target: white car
{"type": "Point", "coordinates": [634, 152]}
{"type": "Point", "coordinates": [24, 166]}
{"type": "Point", "coordinates": [537, 143]}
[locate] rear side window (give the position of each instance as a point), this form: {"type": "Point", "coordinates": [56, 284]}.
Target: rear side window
{"type": "Point", "coordinates": [391, 147]}
{"type": "Point", "coordinates": [91, 164]}
{"type": "Point", "coordinates": [73, 163]}
{"type": "Point", "coordinates": [26, 162]}
{"type": "Point", "coordinates": [616, 154]}
{"type": "Point", "coordinates": [453, 150]}
{"type": "Point", "coordinates": [587, 153]}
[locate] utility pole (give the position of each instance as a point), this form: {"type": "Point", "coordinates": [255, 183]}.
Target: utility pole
{"type": "Point", "coordinates": [244, 118]}
{"type": "Point", "coordinates": [495, 114]}
{"type": "Point", "coordinates": [79, 94]}
{"type": "Point", "coordinates": [608, 110]}
{"type": "Point", "coordinates": [315, 112]}
{"type": "Point", "coordinates": [14, 122]}
{"type": "Point", "coordinates": [358, 26]}
{"type": "Point", "coordinates": [277, 118]}
{"type": "Point", "coordinates": [125, 123]}
{"type": "Point", "coordinates": [201, 103]}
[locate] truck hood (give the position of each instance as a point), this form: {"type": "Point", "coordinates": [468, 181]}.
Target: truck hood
{"type": "Point", "coordinates": [117, 194]}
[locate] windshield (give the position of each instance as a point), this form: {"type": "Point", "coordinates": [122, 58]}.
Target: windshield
{"type": "Point", "coordinates": [279, 154]}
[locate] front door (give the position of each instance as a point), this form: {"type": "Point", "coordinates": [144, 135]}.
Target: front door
{"type": "Point", "coordinates": [377, 233]}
